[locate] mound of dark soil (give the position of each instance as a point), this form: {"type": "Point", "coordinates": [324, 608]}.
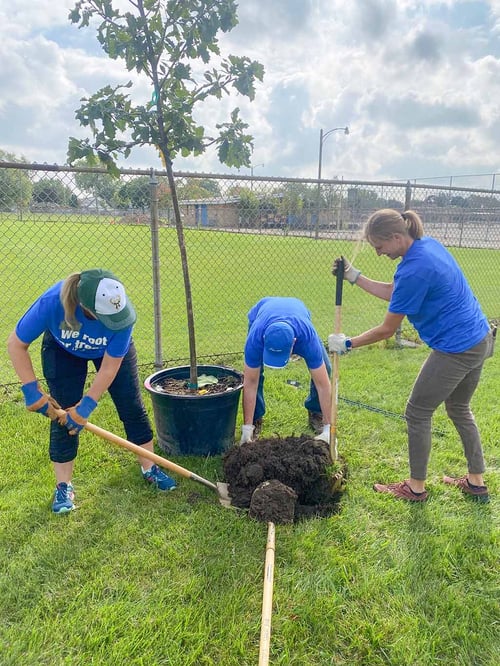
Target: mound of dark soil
{"type": "Point", "coordinates": [300, 463]}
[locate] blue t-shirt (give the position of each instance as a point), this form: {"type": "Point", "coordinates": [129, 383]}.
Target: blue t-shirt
{"type": "Point", "coordinates": [292, 311]}
{"type": "Point", "coordinates": [91, 341]}
{"type": "Point", "coordinates": [431, 290]}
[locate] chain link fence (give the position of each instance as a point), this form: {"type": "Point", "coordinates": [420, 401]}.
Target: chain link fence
{"type": "Point", "coordinates": [246, 237]}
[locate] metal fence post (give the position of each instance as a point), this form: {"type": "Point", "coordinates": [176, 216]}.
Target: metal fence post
{"type": "Point", "coordinates": [318, 193]}
{"type": "Point", "coordinates": [155, 261]}
{"type": "Point", "coordinates": [397, 336]}
{"type": "Point", "coordinates": [408, 195]}
{"type": "Point", "coordinates": [318, 211]}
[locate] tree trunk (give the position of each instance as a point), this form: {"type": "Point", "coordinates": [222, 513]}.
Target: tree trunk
{"type": "Point", "coordinates": [193, 375]}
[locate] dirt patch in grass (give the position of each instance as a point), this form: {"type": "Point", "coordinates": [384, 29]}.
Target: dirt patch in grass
{"type": "Point", "coordinates": [302, 466]}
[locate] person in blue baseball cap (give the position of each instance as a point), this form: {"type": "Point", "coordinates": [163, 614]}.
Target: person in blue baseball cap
{"type": "Point", "coordinates": [87, 317]}
{"type": "Point", "coordinates": [279, 339]}
{"type": "Point", "coordinates": [277, 327]}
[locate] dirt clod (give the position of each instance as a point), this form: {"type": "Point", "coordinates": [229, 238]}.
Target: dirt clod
{"type": "Point", "coordinates": [273, 501]}
{"type": "Point", "coordinates": [301, 463]}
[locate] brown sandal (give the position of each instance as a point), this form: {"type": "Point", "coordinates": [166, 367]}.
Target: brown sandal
{"type": "Point", "coordinates": [401, 490]}
{"type": "Point", "coordinates": [478, 492]}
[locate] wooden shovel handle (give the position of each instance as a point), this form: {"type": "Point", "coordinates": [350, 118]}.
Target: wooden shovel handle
{"type": "Point", "coordinates": [267, 597]}
{"type": "Point", "coordinates": [337, 328]}
{"type": "Point", "coordinates": [144, 453]}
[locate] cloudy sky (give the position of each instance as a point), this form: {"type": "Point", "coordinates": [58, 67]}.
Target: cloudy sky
{"type": "Point", "coordinates": [416, 82]}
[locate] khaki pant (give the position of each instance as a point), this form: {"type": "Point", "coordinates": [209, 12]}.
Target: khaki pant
{"type": "Point", "coordinates": [452, 379]}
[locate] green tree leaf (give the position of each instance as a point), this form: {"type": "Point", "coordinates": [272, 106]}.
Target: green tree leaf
{"type": "Point", "coordinates": [160, 39]}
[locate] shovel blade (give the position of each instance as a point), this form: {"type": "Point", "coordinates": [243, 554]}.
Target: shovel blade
{"type": "Point", "coordinates": [224, 497]}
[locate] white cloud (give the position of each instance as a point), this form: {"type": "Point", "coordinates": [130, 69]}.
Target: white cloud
{"type": "Point", "coordinates": [36, 75]}
{"type": "Point", "coordinates": [20, 18]}
{"type": "Point", "coordinates": [416, 81]}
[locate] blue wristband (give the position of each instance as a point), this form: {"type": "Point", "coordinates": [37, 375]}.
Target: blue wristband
{"type": "Point", "coordinates": [86, 406]}
{"type": "Point", "coordinates": [31, 392]}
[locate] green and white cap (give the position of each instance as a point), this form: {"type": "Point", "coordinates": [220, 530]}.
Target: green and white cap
{"type": "Point", "coordinates": [102, 293]}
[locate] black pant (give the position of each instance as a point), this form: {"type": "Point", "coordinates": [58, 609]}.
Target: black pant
{"type": "Point", "coordinates": [66, 375]}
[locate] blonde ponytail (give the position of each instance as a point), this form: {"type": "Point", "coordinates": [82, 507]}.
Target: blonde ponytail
{"type": "Point", "coordinates": [69, 300]}
{"type": "Point", "coordinates": [414, 224]}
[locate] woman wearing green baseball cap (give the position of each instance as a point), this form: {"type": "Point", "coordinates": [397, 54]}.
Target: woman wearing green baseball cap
{"type": "Point", "coordinates": [86, 317]}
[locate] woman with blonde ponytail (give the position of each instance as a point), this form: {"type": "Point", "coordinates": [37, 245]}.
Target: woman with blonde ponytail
{"type": "Point", "coordinates": [86, 317]}
{"type": "Point", "coordinates": [430, 289]}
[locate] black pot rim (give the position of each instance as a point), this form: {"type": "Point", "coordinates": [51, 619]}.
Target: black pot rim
{"type": "Point", "coordinates": [149, 382]}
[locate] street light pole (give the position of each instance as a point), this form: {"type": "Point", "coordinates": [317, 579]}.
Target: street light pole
{"type": "Point", "coordinates": [323, 136]}
{"type": "Point", "coordinates": [252, 167]}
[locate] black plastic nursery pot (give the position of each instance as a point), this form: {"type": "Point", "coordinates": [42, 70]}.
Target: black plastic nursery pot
{"type": "Point", "coordinates": [194, 424]}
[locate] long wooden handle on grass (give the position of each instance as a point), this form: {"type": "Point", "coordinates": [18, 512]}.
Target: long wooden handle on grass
{"type": "Point", "coordinates": [144, 453]}
{"type": "Point", "coordinates": [267, 598]}
{"type": "Point", "coordinates": [337, 327]}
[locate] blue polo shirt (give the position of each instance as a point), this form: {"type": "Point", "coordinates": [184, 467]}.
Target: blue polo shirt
{"type": "Point", "coordinates": [91, 341]}
{"type": "Point", "coordinates": [271, 309]}
{"type": "Point", "coordinates": [431, 290]}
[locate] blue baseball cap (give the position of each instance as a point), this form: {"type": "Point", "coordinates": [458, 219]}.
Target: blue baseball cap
{"type": "Point", "coordinates": [278, 344]}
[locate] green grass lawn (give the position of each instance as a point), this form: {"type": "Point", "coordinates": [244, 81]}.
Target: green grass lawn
{"type": "Point", "coordinates": [136, 577]}
{"type": "Point", "coordinates": [133, 577]}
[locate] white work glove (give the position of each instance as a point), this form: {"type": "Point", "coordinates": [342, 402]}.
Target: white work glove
{"type": "Point", "coordinates": [338, 343]}
{"type": "Point", "coordinates": [246, 433]}
{"type": "Point", "coordinates": [324, 435]}
{"type": "Point", "coordinates": [351, 274]}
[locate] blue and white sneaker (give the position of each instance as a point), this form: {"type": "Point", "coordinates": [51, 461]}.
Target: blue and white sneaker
{"type": "Point", "coordinates": [158, 478]}
{"type": "Point", "coordinates": [63, 498]}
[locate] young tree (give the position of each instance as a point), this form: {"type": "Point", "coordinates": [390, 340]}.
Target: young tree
{"type": "Point", "coordinates": [164, 41]}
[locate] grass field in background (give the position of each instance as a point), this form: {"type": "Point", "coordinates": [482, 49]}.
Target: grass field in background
{"type": "Point", "coordinates": [229, 273]}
